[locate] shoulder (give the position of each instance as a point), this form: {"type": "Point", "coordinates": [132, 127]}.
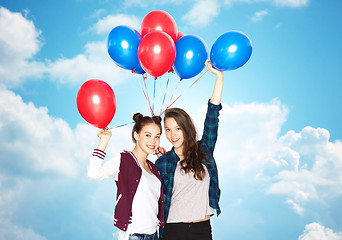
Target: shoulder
{"type": "Point", "coordinates": [163, 161]}
{"type": "Point", "coordinates": [163, 158]}
{"type": "Point", "coordinates": [126, 158]}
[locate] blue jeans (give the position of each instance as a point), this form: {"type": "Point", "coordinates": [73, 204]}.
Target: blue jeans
{"type": "Point", "coordinates": [139, 236]}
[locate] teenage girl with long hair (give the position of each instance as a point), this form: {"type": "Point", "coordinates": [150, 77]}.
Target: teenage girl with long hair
{"type": "Point", "coordinates": [189, 173]}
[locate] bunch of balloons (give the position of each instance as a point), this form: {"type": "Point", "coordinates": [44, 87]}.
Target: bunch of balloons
{"type": "Point", "coordinates": [158, 48]}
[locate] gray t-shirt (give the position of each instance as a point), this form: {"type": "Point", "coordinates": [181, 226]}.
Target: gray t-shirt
{"type": "Point", "coordinates": [190, 197]}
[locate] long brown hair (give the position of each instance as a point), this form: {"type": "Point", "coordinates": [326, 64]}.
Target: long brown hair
{"type": "Point", "coordinates": [141, 121]}
{"type": "Point", "coordinates": [193, 154]}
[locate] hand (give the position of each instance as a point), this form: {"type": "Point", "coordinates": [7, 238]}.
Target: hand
{"type": "Point", "coordinates": [212, 69]}
{"type": "Point", "coordinates": [159, 151]}
{"type": "Point", "coordinates": [104, 135]}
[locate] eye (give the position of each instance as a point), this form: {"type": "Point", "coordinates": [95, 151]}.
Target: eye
{"type": "Point", "coordinates": [157, 137]}
{"type": "Point", "coordinates": [167, 130]}
{"type": "Point", "coordinates": [178, 129]}
{"type": "Point", "coordinates": [148, 135]}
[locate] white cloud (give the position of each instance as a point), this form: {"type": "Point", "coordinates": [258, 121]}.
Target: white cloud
{"type": "Point", "coordinates": [259, 16]}
{"type": "Point", "coordinates": [315, 231]}
{"type": "Point", "coordinates": [43, 165]}
{"type": "Point", "coordinates": [318, 175]}
{"type": "Point", "coordinates": [150, 3]}
{"type": "Point", "coordinates": [37, 143]}
{"type": "Point", "coordinates": [281, 3]}
{"type": "Point", "coordinates": [11, 189]}
{"type": "Point", "coordinates": [14, 28]}
{"type": "Point", "coordinates": [303, 167]}
{"type": "Point", "coordinates": [291, 3]}
{"type": "Point", "coordinates": [9, 230]}
{"type": "Point", "coordinates": [94, 63]}
{"type": "Point", "coordinates": [19, 42]}
{"type": "Point", "coordinates": [248, 134]}
{"type": "Point", "coordinates": [202, 13]}
{"type": "Point", "coordinates": [106, 24]}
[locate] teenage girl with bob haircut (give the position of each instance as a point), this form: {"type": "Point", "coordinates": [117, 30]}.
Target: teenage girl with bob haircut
{"type": "Point", "coordinates": [139, 204]}
{"type": "Point", "coordinates": [189, 173]}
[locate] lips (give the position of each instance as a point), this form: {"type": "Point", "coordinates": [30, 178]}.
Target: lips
{"type": "Point", "coordinates": [152, 147]}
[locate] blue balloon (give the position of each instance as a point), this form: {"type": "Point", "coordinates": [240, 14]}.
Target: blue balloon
{"type": "Point", "coordinates": [230, 51]}
{"type": "Point", "coordinates": [191, 54]}
{"type": "Point", "coordinates": [139, 69]}
{"type": "Point", "coordinates": [122, 45]}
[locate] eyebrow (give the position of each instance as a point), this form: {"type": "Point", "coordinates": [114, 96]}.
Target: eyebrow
{"type": "Point", "coordinates": [152, 133]}
{"type": "Point", "coordinates": [173, 127]}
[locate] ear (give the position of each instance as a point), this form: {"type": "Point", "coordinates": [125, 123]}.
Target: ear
{"type": "Point", "coordinates": [136, 136]}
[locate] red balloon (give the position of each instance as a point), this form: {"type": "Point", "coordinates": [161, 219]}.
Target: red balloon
{"type": "Point", "coordinates": [156, 53]}
{"type": "Point", "coordinates": [179, 35]}
{"type": "Point", "coordinates": [159, 20]}
{"type": "Point", "coordinates": [96, 103]}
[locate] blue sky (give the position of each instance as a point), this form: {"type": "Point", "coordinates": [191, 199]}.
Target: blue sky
{"type": "Point", "coordinates": [279, 150]}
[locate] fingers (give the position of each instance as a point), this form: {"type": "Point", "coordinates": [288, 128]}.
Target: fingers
{"type": "Point", "coordinates": [209, 66]}
{"type": "Point", "coordinates": [212, 69]}
{"type": "Point", "coordinates": [160, 151]}
{"type": "Point", "coordinates": [104, 131]}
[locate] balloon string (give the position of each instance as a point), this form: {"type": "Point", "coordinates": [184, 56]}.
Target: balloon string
{"type": "Point", "coordinates": [154, 94]}
{"type": "Point", "coordinates": [183, 93]}
{"type": "Point", "coordinates": [117, 126]}
{"type": "Point", "coordinates": [148, 99]}
{"type": "Point", "coordinates": [175, 89]}
{"type": "Point", "coordinates": [145, 94]}
{"type": "Point", "coordinates": [167, 84]}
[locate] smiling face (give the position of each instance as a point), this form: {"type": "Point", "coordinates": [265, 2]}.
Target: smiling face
{"type": "Point", "coordinates": [149, 138]}
{"type": "Point", "coordinates": [174, 133]}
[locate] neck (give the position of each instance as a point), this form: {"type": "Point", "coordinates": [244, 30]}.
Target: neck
{"type": "Point", "coordinates": [140, 155]}
{"type": "Point", "coordinates": [179, 152]}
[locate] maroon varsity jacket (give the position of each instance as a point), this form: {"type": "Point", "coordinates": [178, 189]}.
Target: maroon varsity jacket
{"type": "Point", "coordinates": [127, 184]}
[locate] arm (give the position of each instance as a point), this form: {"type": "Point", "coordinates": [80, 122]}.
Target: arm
{"type": "Point", "coordinates": [217, 92]}
{"type": "Point", "coordinates": [210, 130]}
{"type": "Point", "coordinates": [97, 169]}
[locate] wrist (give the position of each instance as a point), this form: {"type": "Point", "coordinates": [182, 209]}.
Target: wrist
{"type": "Point", "coordinates": [102, 145]}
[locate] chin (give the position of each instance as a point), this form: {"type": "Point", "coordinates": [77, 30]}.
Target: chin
{"type": "Point", "coordinates": [149, 151]}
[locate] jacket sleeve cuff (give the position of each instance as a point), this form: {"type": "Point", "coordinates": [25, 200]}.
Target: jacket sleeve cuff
{"type": "Point", "coordinates": [212, 106]}
{"type": "Point", "coordinates": [99, 153]}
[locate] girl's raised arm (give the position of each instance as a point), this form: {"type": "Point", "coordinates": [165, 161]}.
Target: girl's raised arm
{"type": "Point", "coordinates": [217, 92]}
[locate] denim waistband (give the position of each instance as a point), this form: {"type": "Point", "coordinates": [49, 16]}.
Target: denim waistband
{"type": "Point", "coordinates": [142, 235]}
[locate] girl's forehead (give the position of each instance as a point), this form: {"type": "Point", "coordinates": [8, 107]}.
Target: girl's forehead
{"type": "Point", "coordinates": [152, 128]}
{"type": "Point", "coordinates": [170, 122]}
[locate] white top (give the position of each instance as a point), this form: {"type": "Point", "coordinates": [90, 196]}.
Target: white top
{"type": "Point", "coordinates": [145, 201]}
{"type": "Point", "coordinates": [145, 205]}
{"type": "Point", "coordinates": [190, 197]}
